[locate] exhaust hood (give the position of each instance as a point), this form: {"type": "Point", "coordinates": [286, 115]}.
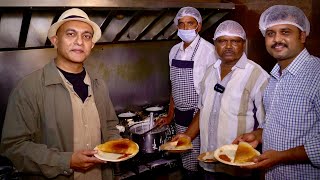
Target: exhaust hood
{"type": "Point", "coordinates": [24, 24]}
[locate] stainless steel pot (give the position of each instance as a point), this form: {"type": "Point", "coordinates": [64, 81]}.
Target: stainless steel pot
{"type": "Point", "coordinates": [151, 141]}
{"type": "Point", "coordinates": [126, 117]}
{"type": "Point", "coordinates": [156, 110]}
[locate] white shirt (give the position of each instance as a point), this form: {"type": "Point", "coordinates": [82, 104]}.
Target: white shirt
{"type": "Point", "coordinates": [204, 57]}
{"type": "Point", "coordinates": [234, 116]}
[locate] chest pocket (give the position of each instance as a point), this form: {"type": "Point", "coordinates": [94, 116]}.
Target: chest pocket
{"type": "Point", "coordinates": [298, 110]}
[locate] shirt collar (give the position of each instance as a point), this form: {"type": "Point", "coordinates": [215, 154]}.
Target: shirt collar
{"type": "Point", "coordinates": [192, 45]}
{"type": "Point", "coordinates": [294, 67]}
{"type": "Point", "coordinates": [241, 62]}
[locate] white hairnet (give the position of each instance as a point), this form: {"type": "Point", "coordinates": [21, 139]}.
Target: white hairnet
{"type": "Point", "coordinates": [188, 11]}
{"type": "Point", "coordinates": [283, 14]}
{"type": "Point", "coordinates": [229, 28]}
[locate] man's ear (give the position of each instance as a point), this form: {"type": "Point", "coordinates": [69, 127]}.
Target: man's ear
{"type": "Point", "coordinates": [199, 27]}
{"type": "Point", "coordinates": [303, 37]}
{"type": "Point", "coordinates": [54, 41]}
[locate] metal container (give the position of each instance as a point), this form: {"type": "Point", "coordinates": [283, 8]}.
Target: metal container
{"type": "Point", "coordinates": [125, 118]}
{"type": "Point", "coordinates": [156, 110]}
{"type": "Point", "coordinates": [149, 142]}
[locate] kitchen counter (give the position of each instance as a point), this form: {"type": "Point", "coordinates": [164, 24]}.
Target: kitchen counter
{"type": "Point", "coordinates": [166, 167]}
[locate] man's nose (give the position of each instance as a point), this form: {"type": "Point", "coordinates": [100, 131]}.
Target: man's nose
{"type": "Point", "coordinates": [277, 38]}
{"type": "Point", "coordinates": [228, 44]}
{"type": "Point", "coordinates": [79, 40]}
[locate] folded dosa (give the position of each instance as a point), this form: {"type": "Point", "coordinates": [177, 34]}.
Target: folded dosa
{"type": "Point", "coordinates": [245, 153]}
{"type": "Point", "coordinates": [119, 146]}
{"type": "Point", "coordinates": [183, 142]}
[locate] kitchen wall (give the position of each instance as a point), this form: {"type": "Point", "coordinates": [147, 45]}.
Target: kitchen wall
{"type": "Point", "coordinates": [137, 74]}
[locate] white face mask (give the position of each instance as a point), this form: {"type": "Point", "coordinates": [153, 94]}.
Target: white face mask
{"type": "Point", "coordinates": [187, 35]}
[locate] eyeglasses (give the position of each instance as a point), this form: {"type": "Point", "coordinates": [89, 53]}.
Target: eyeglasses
{"type": "Point", "coordinates": [234, 42]}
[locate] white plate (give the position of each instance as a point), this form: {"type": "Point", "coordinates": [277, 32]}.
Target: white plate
{"type": "Point", "coordinates": [126, 115]}
{"type": "Point", "coordinates": [113, 157]}
{"type": "Point", "coordinates": [230, 151]}
{"type": "Point", "coordinates": [207, 157]}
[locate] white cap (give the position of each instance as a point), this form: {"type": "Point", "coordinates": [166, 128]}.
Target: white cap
{"type": "Point", "coordinates": [229, 28]}
{"type": "Point", "coordinates": [188, 11]}
{"type": "Point", "coordinates": [75, 14]}
{"type": "Point", "coordinates": [283, 14]}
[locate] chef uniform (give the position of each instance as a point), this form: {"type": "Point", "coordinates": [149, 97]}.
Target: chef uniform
{"type": "Point", "coordinates": [186, 100]}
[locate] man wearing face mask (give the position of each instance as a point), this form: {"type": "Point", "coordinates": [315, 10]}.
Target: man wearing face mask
{"type": "Point", "coordinates": [188, 61]}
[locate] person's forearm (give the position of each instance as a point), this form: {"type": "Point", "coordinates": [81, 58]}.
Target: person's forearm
{"type": "Point", "coordinates": [193, 129]}
{"type": "Point", "coordinates": [295, 155]}
{"type": "Point", "coordinates": [171, 109]}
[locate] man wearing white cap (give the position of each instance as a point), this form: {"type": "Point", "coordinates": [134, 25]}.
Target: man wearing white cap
{"type": "Point", "coordinates": [58, 114]}
{"type": "Point", "coordinates": [188, 61]}
{"type": "Point", "coordinates": [290, 135]}
{"type": "Point", "coordinates": [230, 98]}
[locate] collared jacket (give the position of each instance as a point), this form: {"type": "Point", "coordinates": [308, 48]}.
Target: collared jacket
{"type": "Point", "coordinates": [37, 133]}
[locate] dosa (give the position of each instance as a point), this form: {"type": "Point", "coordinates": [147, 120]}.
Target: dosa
{"type": "Point", "coordinates": [119, 146]}
{"type": "Point", "coordinates": [245, 153]}
{"type": "Point", "coordinates": [182, 143]}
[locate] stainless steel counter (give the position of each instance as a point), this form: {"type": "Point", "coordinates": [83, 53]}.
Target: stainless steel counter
{"type": "Point", "coordinates": [149, 166]}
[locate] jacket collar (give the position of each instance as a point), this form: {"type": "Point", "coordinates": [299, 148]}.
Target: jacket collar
{"type": "Point", "coordinates": [51, 74]}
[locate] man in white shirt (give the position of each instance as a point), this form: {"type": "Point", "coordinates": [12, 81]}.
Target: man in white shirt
{"type": "Point", "coordinates": [230, 97]}
{"type": "Point", "coordinates": [188, 61]}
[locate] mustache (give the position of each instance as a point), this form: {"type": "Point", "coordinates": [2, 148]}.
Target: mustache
{"type": "Point", "coordinates": [279, 44]}
{"type": "Point", "coordinates": [228, 51]}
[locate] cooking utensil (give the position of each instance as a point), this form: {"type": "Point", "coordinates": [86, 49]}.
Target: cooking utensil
{"type": "Point", "coordinates": [127, 117]}
{"type": "Point", "coordinates": [148, 142]}
{"type": "Point", "coordinates": [155, 127]}
{"type": "Point", "coordinates": [155, 109]}
{"type": "Point", "coordinates": [151, 120]}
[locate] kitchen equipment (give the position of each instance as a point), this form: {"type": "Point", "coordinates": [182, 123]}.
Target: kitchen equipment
{"type": "Point", "coordinates": [151, 121]}
{"type": "Point", "coordinates": [127, 117]}
{"type": "Point", "coordinates": [153, 128]}
{"type": "Point", "coordinates": [156, 110]}
{"type": "Point", "coordinates": [148, 142]}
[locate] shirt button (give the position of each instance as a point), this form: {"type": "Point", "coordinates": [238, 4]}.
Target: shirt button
{"type": "Point", "coordinates": [65, 172]}
{"type": "Point", "coordinates": [88, 145]}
